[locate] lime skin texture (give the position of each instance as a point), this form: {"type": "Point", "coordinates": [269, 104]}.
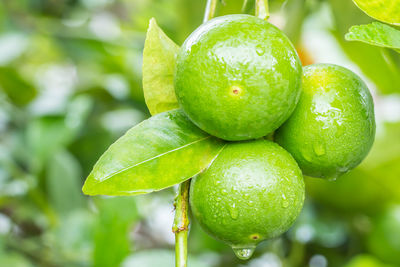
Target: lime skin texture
{"type": "Point", "coordinates": [238, 77]}
{"type": "Point", "coordinates": [333, 126]}
{"type": "Point", "coordinates": [254, 190]}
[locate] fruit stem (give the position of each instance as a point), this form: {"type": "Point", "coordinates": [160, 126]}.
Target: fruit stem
{"type": "Point", "coordinates": [262, 10]}
{"type": "Point", "coordinates": [181, 224]}
{"type": "Point", "coordinates": [181, 220]}
{"type": "Point", "coordinates": [210, 10]}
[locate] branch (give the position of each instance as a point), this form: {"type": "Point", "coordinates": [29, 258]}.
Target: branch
{"type": "Point", "coordinates": [262, 10]}
{"type": "Point", "coordinates": [181, 220]}
{"type": "Point", "coordinates": [181, 224]}
{"type": "Point", "coordinates": [210, 10]}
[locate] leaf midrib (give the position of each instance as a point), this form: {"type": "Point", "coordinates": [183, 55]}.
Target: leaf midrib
{"type": "Point", "coordinates": [155, 157]}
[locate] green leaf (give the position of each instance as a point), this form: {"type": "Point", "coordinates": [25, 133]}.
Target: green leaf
{"type": "Point", "coordinates": [384, 10]}
{"type": "Point", "coordinates": [385, 75]}
{"type": "Point", "coordinates": [14, 259]}
{"type": "Point", "coordinates": [47, 134]}
{"type": "Point", "coordinates": [248, 6]}
{"type": "Point", "coordinates": [160, 152]}
{"type": "Point", "coordinates": [377, 34]}
{"type": "Point", "coordinates": [63, 182]}
{"type": "Point", "coordinates": [18, 90]}
{"type": "Point", "coordinates": [111, 234]}
{"type": "Point", "coordinates": [159, 56]}
{"type": "Point", "coordinates": [74, 235]}
{"type": "Point", "coordinates": [44, 136]}
{"type": "Point", "coordinates": [384, 72]}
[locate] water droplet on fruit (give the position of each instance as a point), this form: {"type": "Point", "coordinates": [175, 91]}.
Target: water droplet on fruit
{"type": "Point", "coordinates": [285, 202]}
{"type": "Point", "coordinates": [343, 169]}
{"type": "Point", "coordinates": [260, 50]}
{"type": "Point", "coordinates": [251, 203]}
{"type": "Point", "coordinates": [224, 192]}
{"type": "Point", "coordinates": [218, 199]}
{"type": "Point", "coordinates": [332, 178]}
{"type": "Point", "coordinates": [264, 189]}
{"type": "Point", "coordinates": [319, 149]}
{"type": "Point", "coordinates": [217, 182]}
{"type": "Point", "coordinates": [246, 196]}
{"type": "Point", "coordinates": [243, 253]}
{"type": "Point", "coordinates": [233, 211]}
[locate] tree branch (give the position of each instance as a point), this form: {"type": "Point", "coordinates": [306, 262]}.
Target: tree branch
{"type": "Point", "coordinates": [181, 224]}
{"type": "Point", "coordinates": [262, 10]}
{"type": "Point", "coordinates": [210, 10]}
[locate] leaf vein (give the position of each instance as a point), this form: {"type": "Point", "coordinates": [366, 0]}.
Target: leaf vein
{"type": "Point", "coordinates": [152, 158]}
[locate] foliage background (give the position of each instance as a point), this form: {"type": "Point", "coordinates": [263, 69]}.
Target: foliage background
{"type": "Point", "coordinates": [70, 84]}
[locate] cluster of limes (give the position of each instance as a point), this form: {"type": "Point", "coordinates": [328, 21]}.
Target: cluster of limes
{"type": "Point", "coordinates": [239, 78]}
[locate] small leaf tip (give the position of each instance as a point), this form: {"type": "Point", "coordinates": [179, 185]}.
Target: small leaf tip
{"type": "Point", "coordinates": [152, 21]}
{"type": "Point", "coordinates": [347, 36]}
{"type": "Point", "coordinates": [87, 188]}
{"type": "Point", "coordinates": [84, 189]}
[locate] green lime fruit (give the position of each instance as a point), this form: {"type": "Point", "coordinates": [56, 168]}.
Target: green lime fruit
{"type": "Point", "coordinates": [238, 77]}
{"type": "Point", "coordinates": [254, 190]}
{"type": "Point", "coordinates": [333, 126]}
{"type": "Point", "coordinates": [376, 179]}
{"type": "Point", "coordinates": [384, 238]}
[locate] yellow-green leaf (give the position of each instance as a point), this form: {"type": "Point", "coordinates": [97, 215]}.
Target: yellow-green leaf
{"type": "Point", "coordinates": [377, 34]}
{"type": "Point", "coordinates": [159, 56]}
{"type": "Point", "coordinates": [160, 152]}
{"type": "Point", "coordinates": [384, 10]}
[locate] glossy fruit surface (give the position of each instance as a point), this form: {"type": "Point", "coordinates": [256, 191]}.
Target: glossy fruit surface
{"type": "Point", "coordinates": [376, 179]}
{"type": "Point", "coordinates": [333, 126]}
{"type": "Point", "coordinates": [252, 191]}
{"type": "Point", "coordinates": [238, 77]}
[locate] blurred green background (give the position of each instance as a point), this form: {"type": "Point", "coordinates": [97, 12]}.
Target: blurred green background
{"type": "Point", "coordinates": [70, 84]}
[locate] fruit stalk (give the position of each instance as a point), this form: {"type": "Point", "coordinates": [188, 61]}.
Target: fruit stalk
{"type": "Point", "coordinates": [181, 220]}
{"type": "Point", "coordinates": [181, 224]}
{"type": "Point", "coordinates": [210, 10]}
{"type": "Point", "coordinates": [262, 10]}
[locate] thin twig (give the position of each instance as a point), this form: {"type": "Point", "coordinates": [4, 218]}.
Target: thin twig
{"type": "Point", "coordinates": [210, 10]}
{"type": "Point", "coordinates": [181, 220]}
{"type": "Point", "coordinates": [181, 224]}
{"type": "Point", "coordinates": [262, 10]}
